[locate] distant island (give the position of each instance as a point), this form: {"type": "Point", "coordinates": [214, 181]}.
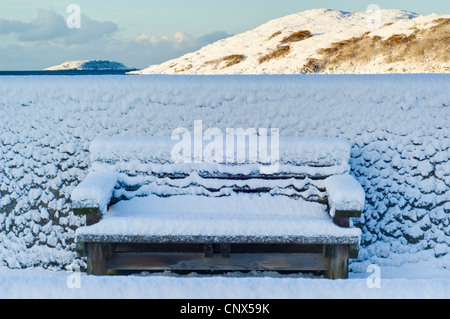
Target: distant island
{"type": "Point", "coordinates": [90, 65]}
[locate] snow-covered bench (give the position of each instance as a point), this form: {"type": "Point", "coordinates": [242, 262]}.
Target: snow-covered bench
{"type": "Point", "coordinates": [146, 211]}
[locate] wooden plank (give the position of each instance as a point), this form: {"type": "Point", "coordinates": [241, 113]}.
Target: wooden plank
{"type": "Point", "coordinates": [347, 213]}
{"type": "Point", "coordinates": [236, 262]}
{"type": "Point", "coordinates": [160, 247]}
{"type": "Point", "coordinates": [198, 239]}
{"type": "Point", "coordinates": [223, 248]}
{"type": "Point", "coordinates": [86, 211]}
{"type": "Point", "coordinates": [257, 175]}
{"type": "Point", "coordinates": [235, 248]}
{"type": "Point", "coordinates": [276, 248]}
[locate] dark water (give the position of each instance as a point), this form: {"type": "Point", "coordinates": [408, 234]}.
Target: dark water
{"type": "Point", "coordinates": [63, 72]}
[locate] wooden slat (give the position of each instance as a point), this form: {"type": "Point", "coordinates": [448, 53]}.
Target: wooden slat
{"type": "Point", "coordinates": [310, 193]}
{"type": "Point", "coordinates": [198, 239]}
{"type": "Point", "coordinates": [258, 175]}
{"type": "Point", "coordinates": [236, 262]}
{"type": "Point", "coordinates": [276, 248]}
{"type": "Point", "coordinates": [347, 213]}
{"type": "Point", "coordinates": [320, 173]}
{"type": "Point", "coordinates": [86, 211]}
{"type": "Point", "coordinates": [219, 248]}
{"type": "Point", "coordinates": [159, 247]}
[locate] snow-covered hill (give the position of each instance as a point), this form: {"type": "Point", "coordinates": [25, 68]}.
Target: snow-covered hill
{"type": "Point", "coordinates": [326, 41]}
{"type": "Point", "coordinates": [89, 65]}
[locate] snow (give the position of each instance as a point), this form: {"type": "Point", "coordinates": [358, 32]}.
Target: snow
{"type": "Point", "coordinates": [405, 282]}
{"type": "Point", "coordinates": [89, 65]}
{"type": "Point", "coordinates": [397, 126]}
{"type": "Point", "coordinates": [209, 213]}
{"type": "Point", "coordinates": [326, 26]}
{"type": "Point", "coordinates": [95, 190]}
{"type": "Point", "coordinates": [298, 151]}
{"type": "Point", "coordinates": [143, 155]}
{"type": "Point", "coordinates": [345, 193]}
{"type": "Point", "coordinates": [245, 215]}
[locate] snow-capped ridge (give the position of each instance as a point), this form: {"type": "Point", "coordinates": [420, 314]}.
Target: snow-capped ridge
{"type": "Point", "coordinates": [262, 50]}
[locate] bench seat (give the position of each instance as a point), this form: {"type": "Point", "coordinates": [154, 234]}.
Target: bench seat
{"type": "Point", "coordinates": [248, 218]}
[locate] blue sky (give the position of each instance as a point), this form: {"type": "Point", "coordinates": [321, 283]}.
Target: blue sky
{"type": "Point", "coordinates": [33, 34]}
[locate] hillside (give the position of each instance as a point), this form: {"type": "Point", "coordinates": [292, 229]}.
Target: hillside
{"type": "Point", "coordinates": [326, 41]}
{"type": "Point", "coordinates": [89, 65]}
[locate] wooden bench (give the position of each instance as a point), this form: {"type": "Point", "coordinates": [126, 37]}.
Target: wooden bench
{"type": "Point", "coordinates": [146, 212]}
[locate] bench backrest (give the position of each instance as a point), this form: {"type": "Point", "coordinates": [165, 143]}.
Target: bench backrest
{"type": "Point", "coordinates": [292, 166]}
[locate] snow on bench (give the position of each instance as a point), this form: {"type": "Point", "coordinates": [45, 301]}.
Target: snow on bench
{"type": "Point", "coordinates": [253, 218]}
{"type": "Point", "coordinates": [146, 211]}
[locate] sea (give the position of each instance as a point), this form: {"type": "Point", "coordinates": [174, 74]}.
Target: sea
{"type": "Point", "coordinates": [65, 72]}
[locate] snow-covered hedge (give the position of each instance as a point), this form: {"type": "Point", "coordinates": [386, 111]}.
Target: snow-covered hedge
{"type": "Point", "coordinates": [398, 125]}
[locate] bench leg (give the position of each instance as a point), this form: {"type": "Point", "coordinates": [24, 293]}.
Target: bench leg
{"type": "Point", "coordinates": [338, 255]}
{"type": "Point", "coordinates": [96, 259]}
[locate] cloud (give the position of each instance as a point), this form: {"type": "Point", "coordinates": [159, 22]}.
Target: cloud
{"type": "Point", "coordinates": [179, 41]}
{"type": "Point", "coordinates": [12, 26]}
{"type": "Point", "coordinates": [48, 26]}
{"type": "Point", "coordinates": [147, 49]}
{"type": "Point", "coordinates": [151, 49]}
{"type": "Point", "coordinates": [90, 30]}
{"type": "Point", "coordinates": [46, 41]}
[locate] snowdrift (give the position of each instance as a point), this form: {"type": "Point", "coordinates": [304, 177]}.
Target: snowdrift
{"type": "Point", "coordinates": [397, 124]}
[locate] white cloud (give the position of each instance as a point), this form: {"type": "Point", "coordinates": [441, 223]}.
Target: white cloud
{"type": "Point", "coordinates": [181, 40]}
{"type": "Point", "coordinates": [91, 30]}
{"type": "Point", "coordinates": [50, 26]}
{"type": "Point", "coordinates": [46, 41]}
{"type": "Point", "coordinates": [178, 40]}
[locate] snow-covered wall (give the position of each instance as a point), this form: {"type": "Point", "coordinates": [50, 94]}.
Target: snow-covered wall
{"type": "Point", "coordinates": [398, 124]}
